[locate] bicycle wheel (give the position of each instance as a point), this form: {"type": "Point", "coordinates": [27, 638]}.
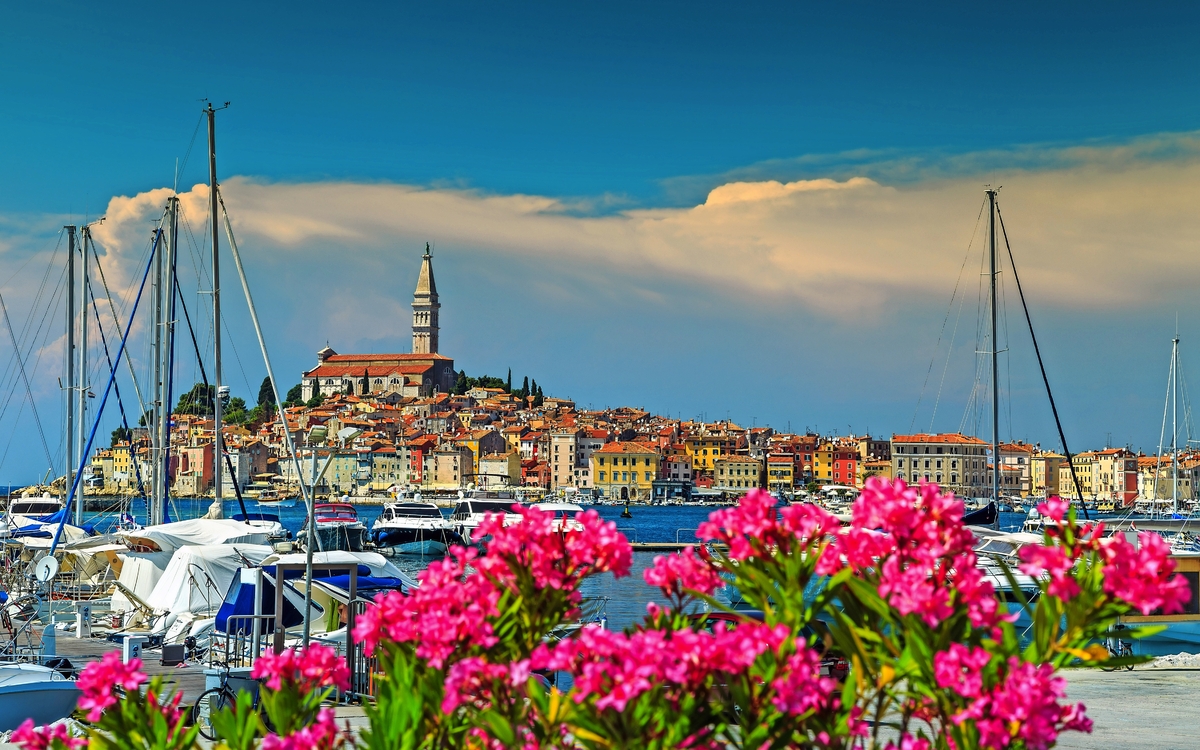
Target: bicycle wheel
{"type": "Point", "coordinates": [208, 704]}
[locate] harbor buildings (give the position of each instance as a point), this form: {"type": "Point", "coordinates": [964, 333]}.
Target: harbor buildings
{"type": "Point", "coordinates": [956, 461]}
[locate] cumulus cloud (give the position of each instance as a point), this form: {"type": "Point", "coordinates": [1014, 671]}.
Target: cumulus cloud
{"type": "Point", "coordinates": [1092, 226]}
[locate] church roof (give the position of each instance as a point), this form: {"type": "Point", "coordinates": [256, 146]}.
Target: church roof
{"type": "Point", "coordinates": [425, 283]}
{"type": "Point", "coordinates": [375, 358]}
{"type": "Point", "coordinates": [337, 370]}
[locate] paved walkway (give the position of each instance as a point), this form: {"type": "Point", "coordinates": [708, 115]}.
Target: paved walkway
{"type": "Point", "coordinates": [1151, 709]}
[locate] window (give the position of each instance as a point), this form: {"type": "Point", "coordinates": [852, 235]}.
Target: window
{"type": "Point", "coordinates": [647, 476]}
{"type": "Point", "coordinates": [624, 476]}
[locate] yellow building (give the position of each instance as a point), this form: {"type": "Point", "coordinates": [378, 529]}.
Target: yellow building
{"type": "Point", "coordinates": [1043, 474]}
{"type": "Point", "coordinates": [625, 471]}
{"type": "Point", "coordinates": [122, 467]}
{"type": "Point", "coordinates": [781, 472]}
{"type": "Point", "coordinates": [705, 448]}
{"type": "Point", "coordinates": [737, 473]}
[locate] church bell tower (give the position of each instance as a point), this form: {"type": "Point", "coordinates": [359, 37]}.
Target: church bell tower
{"type": "Point", "coordinates": [425, 309]}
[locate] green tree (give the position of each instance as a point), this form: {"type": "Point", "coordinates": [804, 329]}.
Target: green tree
{"type": "Point", "coordinates": [120, 435]}
{"type": "Point", "coordinates": [315, 401]}
{"type": "Point", "coordinates": [235, 411]}
{"type": "Point", "coordinates": [508, 385]}
{"type": "Point", "coordinates": [266, 393]}
{"type": "Point", "coordinates": [198, 400]}
{"type": "Point", "coordinates": [295, 395]}
{"type": "Point", "coordinates": [525, 388]}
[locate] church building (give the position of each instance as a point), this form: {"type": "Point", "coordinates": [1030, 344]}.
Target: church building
{"type": "Point", "coordinates": [422, 373]}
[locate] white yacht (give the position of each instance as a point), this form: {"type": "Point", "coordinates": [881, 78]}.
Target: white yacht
{"type": "Point", "coordinates": [414, 527]}
{"type": "Point", "coordinates": [564, 515]}
{"type": "Point", "coordinates": [471, 511]}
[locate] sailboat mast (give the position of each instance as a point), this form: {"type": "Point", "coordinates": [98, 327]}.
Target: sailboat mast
{"type": "Point", "coordinates": [995, 352]}
{"type": "Point", "coordinates": [166, 293]}
{"type": "Point", "coordinates": [154, 514]}
{"type": "Point", "coordinates": [69, 475]}
{"type": "Point", "coordinates": [216, 299]}
{"type": "Point", "coordinates": [1174, 424]}
{"type": "Point", "coordinates": [81, 423]}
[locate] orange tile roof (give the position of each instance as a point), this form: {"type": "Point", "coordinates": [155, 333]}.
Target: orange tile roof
{"type": "Point", "coordinates": [951, 437]}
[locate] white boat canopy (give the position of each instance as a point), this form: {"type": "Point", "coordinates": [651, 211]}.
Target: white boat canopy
{"type": "Point", "coordinates": [197, 578]}
{"type": "Point", "coordinates": [169, 537]}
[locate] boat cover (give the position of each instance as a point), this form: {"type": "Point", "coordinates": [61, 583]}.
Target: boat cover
{"type": "Point", "coordinates": [239, 600]}
{"type": "Point", "coordinates": [169, 537]}
{"type": "Point", "coordinates": [377, 565]}
{"type": "Point", "coordinates": [197, 578]}
{"type": "Point", "coordinates": [140, 572]}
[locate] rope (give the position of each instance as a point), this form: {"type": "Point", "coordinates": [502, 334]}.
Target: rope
{"type": "Point", "coordinates": [117, 392]}
{"type": "Point", "coordinates": [942, 332]}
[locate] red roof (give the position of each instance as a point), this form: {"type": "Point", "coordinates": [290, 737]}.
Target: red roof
{"type": "Point", "coordinates": [384, 357]}
{"type": "Point", "coordinates": [335, 371]}
{"type": "Point", "coordinates": [951, 437]}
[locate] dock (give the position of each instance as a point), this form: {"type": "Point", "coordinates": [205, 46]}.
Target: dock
{"type": "Point", "coordinates": [187, 678]}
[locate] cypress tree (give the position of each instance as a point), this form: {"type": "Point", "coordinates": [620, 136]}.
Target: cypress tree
{"type": "Point", "coordinates": [266, 394]}
{"type": "Point", "coordinates": [509, 380]}
{"type": "Point", "coordinates": [525, 387]}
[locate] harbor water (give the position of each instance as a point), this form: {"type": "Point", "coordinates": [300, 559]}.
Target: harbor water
{"type": "Point", "coordinates": [624, 599]}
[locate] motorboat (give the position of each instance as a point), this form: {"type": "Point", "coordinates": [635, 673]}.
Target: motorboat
{"type": "Point", "coordinates": [31, 691]}
{"type": "Point", "coordinates": [564, 515]}
{"type": "Point", "coordinates": [470, 512]}
{"type": "Point", "coordinates": [414, 527]}
{"type": "Point", "coordinates": [337, 527]}
{"type": "Point", "coordinates": [35, 507]}
{"type": "Point", "coordinates": [268, 522]}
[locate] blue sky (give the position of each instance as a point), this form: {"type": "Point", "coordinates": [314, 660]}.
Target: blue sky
{"type": "Point", "coordinates": [567, 160]}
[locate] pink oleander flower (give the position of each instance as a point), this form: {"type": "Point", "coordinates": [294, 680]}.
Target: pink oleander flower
{"type": "Point", "coordinates": [448, 611]}
{"type": "Point", "coordinates": [1054, 561]}
{"type": "Point", "coordinates": [750, 528]}
{"type": "Point", "coordinates": [556, 558]}
{"type": "Point", "coordinates": [913, 541]}
{"type": "Point", "coordinates": [616, 668]}
{"type": "Point", "coordinates": [961, 669]}
{"type": "Point", "coordinates": [801, 688]}
{"type": "Point", "coordinates": [322, 734]}
{"type": "Point", "coordinates": [1142, 577]}
{"type": "Point", "coordinates": [308, 670]}
{"type": "Point", "coordinates": [471, 680]}
{"type": "Point", "coordinates": [909, 742]}
{"type": "Point", "coordinates": [100, 679]}
{"type": "Point", "coordinates": [49, 737]}
{"type": "Point", "coordinates": [1025, 706]}
{"type": "Point", "coordinates": [1054, 508]}
{"type": "Point", "coordinates": [684, 571]}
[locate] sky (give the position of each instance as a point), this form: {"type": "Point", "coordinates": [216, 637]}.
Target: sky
{"type": "Point", "coordinates": [763, 212]}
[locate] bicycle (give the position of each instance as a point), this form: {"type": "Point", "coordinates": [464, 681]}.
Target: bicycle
{"type": "Point", "coordinates": [1123, 649]}
{"type": "Point", "coordinates": [212, 701]}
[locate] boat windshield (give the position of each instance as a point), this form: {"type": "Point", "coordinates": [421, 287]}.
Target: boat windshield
{"type": "Point", "coordinates": [415, 510]}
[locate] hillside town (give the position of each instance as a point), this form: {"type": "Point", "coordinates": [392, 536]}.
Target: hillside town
{"type": "Point", "coordinates": [381, 424]}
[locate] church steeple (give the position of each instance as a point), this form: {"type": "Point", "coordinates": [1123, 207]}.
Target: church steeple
{"type": "Point", "coordinates": [425, 309]}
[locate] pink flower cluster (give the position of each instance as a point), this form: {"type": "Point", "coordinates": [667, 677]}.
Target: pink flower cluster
{"type": "Point", "coordinates": [960, 669]}
{"type": "Point", "coordinates": [471, 680]}
{"type": "Point", "coordinates": [307, 670]}
{"type": "Point", "coordinates": [49, 737]}
{"type": "Point", "coordinates": [801, 688]}
{"type": "Point", "coordinates": [457, 595]}
{"type": "Point", "coordinates": [617, 668]}
{"type": "Point", "coordinates": [322, 734]}
{"type": "Point", "coordinates": [683, 571]}
{"type": "Point", "coordinates": [754, 528]}
{"type": "Point", "coordinates": [448, 610]}
{"type": "Point", "coordinates": [929, 565]}
{"type": "Point", "coordinates": [99, 681]}
{"type": "Point", "coordinates": [1025, 706]}
{"type": "Point", "coordinates": [556, 557]}
{"type": "Point", "coordinates": [1142, 577]}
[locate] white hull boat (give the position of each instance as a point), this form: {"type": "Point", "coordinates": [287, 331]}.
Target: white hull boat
{"type": "Point", "coordinates": [30, 691]}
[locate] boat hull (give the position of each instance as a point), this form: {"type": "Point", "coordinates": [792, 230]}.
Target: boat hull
{"type": "Point", "coordinates": [44, 702]}
{"type": "Point", "coordinates": [345, 537]}
{"type": "Point", "coordinates": [414, 541]}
